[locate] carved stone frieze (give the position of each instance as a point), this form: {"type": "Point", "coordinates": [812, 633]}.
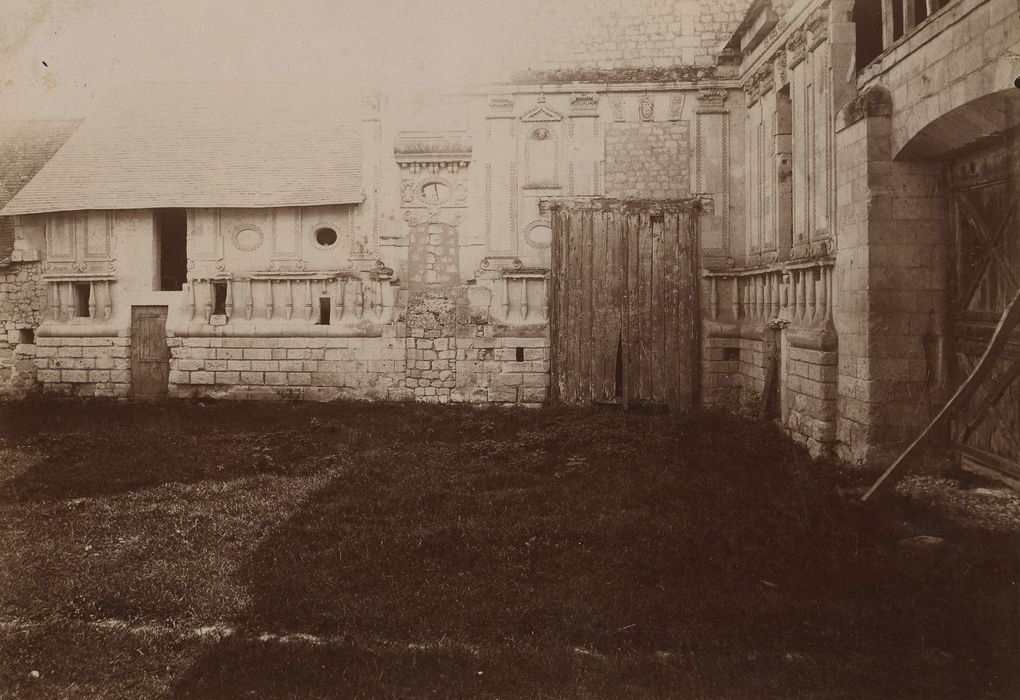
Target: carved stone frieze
{"type": "Point", "coordinates": [584, 104]}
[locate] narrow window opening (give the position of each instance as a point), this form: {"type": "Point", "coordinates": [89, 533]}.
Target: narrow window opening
{"type": "Point", "coordinates": [219, 298]}
{"type": "Point", "coordinates": [520, 354]}
{"type": "Point", "coordinates": [324, 308]}
{"type": "Point", "coordinates": [920, 11]}
{"type": "Point", "coordinates": [897, 19]}
{"type": "Point", "coordinates": [731, 354]}
{"type": "Point", "coordinates": [82, 293]}
{"type": "Point", "coordinates": [619, 367]}
{"type": "Point", "coordinates": [26, 336]}
{"type": "Point", "coordinates": [867, 17]}
{"type": "Point", "coordinates": [171, 249]}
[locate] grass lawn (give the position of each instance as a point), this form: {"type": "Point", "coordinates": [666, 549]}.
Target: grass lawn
{"type": "Point", "coordinates": [365, 550]}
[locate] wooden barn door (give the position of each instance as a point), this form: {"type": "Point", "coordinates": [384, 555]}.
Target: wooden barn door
{"type": "Point", "coordinates": [150, 356]}
{"type": "Point", "coordinates": [624, 305]}
{"type": "Point", "coordinates": [985, 266]}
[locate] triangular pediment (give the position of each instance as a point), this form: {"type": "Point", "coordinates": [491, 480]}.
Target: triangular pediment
{"type": "Point", "coordinates": [541, 113]}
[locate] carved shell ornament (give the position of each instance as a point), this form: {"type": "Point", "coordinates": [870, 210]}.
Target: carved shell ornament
{"type": "Point", "coordinates": [540, 134]}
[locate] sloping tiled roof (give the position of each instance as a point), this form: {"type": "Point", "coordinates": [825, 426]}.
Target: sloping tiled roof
{"type": "Point", "coordinates": [204, 145]}
{"type": "Point", "coordinates": [25, 146]}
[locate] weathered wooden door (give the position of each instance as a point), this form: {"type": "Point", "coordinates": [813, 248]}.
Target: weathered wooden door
{"type": "Point", "coordinates": [150, 356]}
{"type": "Point", "coordinates": [624, 307]}
{"type": "Point", "coordinates": [985, 267]}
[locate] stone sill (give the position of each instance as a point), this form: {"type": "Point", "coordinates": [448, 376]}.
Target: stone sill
{"type": "Point", "coordinates": [781, 266]}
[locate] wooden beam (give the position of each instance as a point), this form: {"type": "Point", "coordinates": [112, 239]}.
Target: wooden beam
{"type": "Point", "coordinates": [994, 394]}
{"type": "Point", "coordinates": [1010, 319]}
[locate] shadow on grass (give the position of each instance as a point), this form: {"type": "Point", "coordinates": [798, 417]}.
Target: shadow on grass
{"type": "Point", "coordinates": [585, 553]}
{"type": "Point", "coordinates": [94, 447]}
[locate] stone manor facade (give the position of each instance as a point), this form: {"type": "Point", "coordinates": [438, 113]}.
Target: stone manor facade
{"type": "Point", "coordinates": [858, 158]}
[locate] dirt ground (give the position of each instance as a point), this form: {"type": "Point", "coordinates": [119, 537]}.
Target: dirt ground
{"type": "Point", "coordinates": [367, 550]}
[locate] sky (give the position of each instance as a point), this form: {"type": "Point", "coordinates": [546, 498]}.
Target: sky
{"type": "Point", "coordinates": [58, 56]}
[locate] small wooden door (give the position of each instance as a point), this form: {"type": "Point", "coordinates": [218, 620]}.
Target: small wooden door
{"type": "Point", "coordinates": [624, 302]}
{"type": "Point", "coordinates": [150, 356]}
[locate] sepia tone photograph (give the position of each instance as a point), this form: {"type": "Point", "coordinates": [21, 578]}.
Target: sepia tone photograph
{"type": "Point", "coordinates": [510, 349]}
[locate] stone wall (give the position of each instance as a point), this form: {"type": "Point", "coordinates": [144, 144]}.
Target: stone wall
{"type": "Point", "coordinates": [319, 369]}
{"type": "Point", "coordinates": [648, 159]}
{"type": "Point", "coordinates": [22, 301]}
{"type": "Point", "coordinates": [436, 352]}
{"type": "Point", "coordinates": [638, 33]}
{"type": "Point", "coordinates": [84, 366]}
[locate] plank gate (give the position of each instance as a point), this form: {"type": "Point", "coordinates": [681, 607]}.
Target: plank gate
{"type": "Point", "coordinates": [624, 302]}
{"type": "Point", "coordinates": [985, 204]}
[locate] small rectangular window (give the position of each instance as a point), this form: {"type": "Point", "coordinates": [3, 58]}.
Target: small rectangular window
{"type": "Point", "coordinates": [219, 298]}
{"type": "Point", "coordinates": [26, 336]}
{"type": "Point", "coordinates": [520, 354]}
{"type": "Point", "coordinates": [82, 294]}
{"type": "Point", "coordinates": [324, 308]}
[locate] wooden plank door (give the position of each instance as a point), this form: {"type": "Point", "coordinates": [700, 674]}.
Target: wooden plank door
{"type": "Point", "coordinates": [624, 305]}
{"type": "Point", "coordinates": [150, 356]}
{"type": "Point", "coordinates": [985, 203]}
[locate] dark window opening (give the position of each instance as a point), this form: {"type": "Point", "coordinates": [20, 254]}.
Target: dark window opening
{"type": "Point", "coordinates": [219, 298]}
{"type": "Point", "coordinates": [897, 19]}
{"type": "Point", "coordinates": [731, 354]}
{"type": "Point", "coordinates": [324, 308]}
{"type": "Point", "coordinates": [171, 249]}
{"type": "Point", "coordinates": [325, 237]}
{"type": "Point", "coordinates": [619, 367]}
{"type": "Point", "coordinates": [82, 294]}
{"type": "Point", "coordinates": [920, 11]}
{"type": "Point", "coordinates": [26, 336]}
{"type": "Point", "coordinates": [520, 354]}
{"type": "Point", "coordinates": [867, 17]}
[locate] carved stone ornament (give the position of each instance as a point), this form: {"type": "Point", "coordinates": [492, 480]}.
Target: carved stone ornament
{"type": "Point", "coordinates": [796, 47]}
{"type": "Point", "coordinates": [766, 79]}
{"type": "Point", "coordinates": [538, 234]}
{"type": "Point", "coordinates": [676, 106]}
{"type": "Point", "coordinates": [501, 106]}
{"type": "Point", "coordinates": [585, 103]}
{"type": "Point", "coordinates": [711, 98]}
{"type": "Point", "coordinates": [541, 113]}
{"type": "Point", "coordinates": [246, 237]}
{"type": "Point", "coordinates": [646, 108]}
{"type": "Point", "coordinates": [818, 25]}
{"type": "Point", "coordinates": [434, 150]}
{"type": "Point", "coordinates": [780, 68]}
{"type": "Point", "coordinates": [752, 88]}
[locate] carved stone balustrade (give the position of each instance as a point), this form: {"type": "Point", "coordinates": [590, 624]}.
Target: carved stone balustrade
{"type": "Point", "coordinates": [293, 297]}
{"type": "Point", "coordinates": [796, 295]}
